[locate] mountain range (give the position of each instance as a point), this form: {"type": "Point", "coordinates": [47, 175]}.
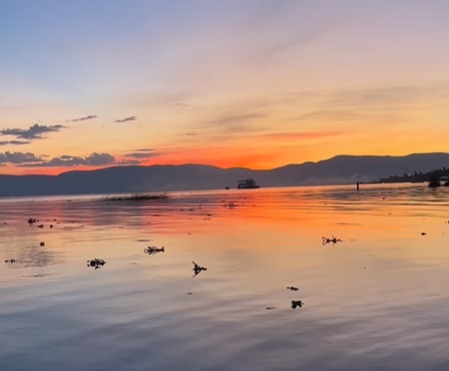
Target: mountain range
{"type": "Point", "coordinates": [342, 169]}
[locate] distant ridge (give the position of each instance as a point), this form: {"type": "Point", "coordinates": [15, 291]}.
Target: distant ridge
{"type": "Point", "coordinates": [124, 179]}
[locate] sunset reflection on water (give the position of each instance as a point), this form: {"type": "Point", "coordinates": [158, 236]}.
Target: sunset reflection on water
{"type": "Point", "coordinates": [376, 299]}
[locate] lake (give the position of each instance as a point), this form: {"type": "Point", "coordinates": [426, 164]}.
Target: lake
{"type": "Point", "coordinates": [376, 300]}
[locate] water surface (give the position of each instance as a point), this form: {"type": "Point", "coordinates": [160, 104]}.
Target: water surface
{"type": "Point", "coordinates": [377, 300]}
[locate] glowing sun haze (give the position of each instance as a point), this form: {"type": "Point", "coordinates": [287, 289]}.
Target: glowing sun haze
{"type": "Point", "coordinates": [254, 83]}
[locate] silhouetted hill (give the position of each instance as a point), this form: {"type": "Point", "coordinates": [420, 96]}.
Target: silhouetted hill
{"type": "Point", "coordinates": [126, 179]}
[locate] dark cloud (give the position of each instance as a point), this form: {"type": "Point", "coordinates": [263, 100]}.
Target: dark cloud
{"type": "Point", "coordinates": [34, 132]}
{"type": "Point", "coordinates": [13, 142]}
{"type": "Point", "coordinates": [131, 118]}
{"type": "Point", "coordinates": [94, 159]}
{"type": "Point", "coordinates": [98, 159]}
{"type": "Point", "coordinates": [90, 117]}
{"type": "Point", "coordinates": [18, 158]}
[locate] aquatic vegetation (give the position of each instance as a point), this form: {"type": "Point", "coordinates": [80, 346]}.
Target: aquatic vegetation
{"type": "Point", "coordinates": [96, 263]}
{"type": "Point", "coordinates": [332, 240]}
{"type": "Point", "coordinates": [434, 179]}
{"type": "Point", "coordinates": [154, 250]}
{"type": "Point", "coordinates": [197, 269]}
{"type": "Point", "coordinates": [139, 197]}
{"type": "Point", "coordinates": [297, 303]}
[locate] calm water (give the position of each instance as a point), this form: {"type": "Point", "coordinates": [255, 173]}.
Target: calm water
{"type": "Point", "coordinates": [378, 300]}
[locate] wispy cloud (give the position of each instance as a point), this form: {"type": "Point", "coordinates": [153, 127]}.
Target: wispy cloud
{"type": "Point", "coordinates": [295, 136]}
{"type": "Point", "coordinates": [235, 118]}
{"type": "Point", "coordinates": [230, 123]}
{"type": "Point", "coordinates": [34, 132]}
{"type": "Point", "coordinates": [144, 150]}
{"type": "Point", "coordinates": [188, 134]}
{"type": "Point", "coordinates": [90, 117]}
{"type": "Point", "coordinates": [126, 119]}
{"type": "Point", "coordinates": [13, 142]}
{"type": "Point", "coordinates": [141, 155]}
{"type": "Point", "coordinates": [183, 105]}
{"type": "Point", "coordinates": [18, 158]}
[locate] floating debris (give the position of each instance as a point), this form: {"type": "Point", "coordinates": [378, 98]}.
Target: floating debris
{"type": "Point", "coordinates": [292, 288]}
{"type": "Point", "coordinates": [197, 269]}
{"type": "Point", "coordinates": [42, 243]}
{"type": "Point", "coordinates": [297, 303]}
{"type": "Point", "coordinates": [96, 263]}
{"type": "Point", "coordinates": [229, 205]}
{"type": "Point", "coordinates": [332, 240]}
{"type": "Point", "coordinates": [270, 308]}
{"type": "Point", "coordinates": [423, 233]}
{"type": "Point", "coordinates": [32, 220]}
{"type": "Point", "coordinates": [40, 226]}
{"type": "Point", "coordinates": [154, 250]}
{"type": "Point", "coordinates": [11, 261]}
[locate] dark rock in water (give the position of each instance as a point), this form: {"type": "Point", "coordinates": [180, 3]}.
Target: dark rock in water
{"type": "Point", "coordinates": [96, 263]}
{"type": "Point", "coordinates": [297, 303]}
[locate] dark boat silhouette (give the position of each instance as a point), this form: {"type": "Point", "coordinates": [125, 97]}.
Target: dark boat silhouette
{"type": "Point", "coordinates": [246, 184]}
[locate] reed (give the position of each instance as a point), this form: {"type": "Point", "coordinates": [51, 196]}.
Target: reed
{"type": "Point", "coordinates": [138, 197]}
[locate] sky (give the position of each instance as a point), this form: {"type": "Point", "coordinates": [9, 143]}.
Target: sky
{"type": "Point", "coordinates": [232, 83]}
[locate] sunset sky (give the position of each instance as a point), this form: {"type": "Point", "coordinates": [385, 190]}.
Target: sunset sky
{"type": "Point", "coordinates": [252, 83]}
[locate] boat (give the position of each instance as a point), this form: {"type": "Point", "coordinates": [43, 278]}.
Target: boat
{"type": "Point", "coordinates": [247, 184]}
